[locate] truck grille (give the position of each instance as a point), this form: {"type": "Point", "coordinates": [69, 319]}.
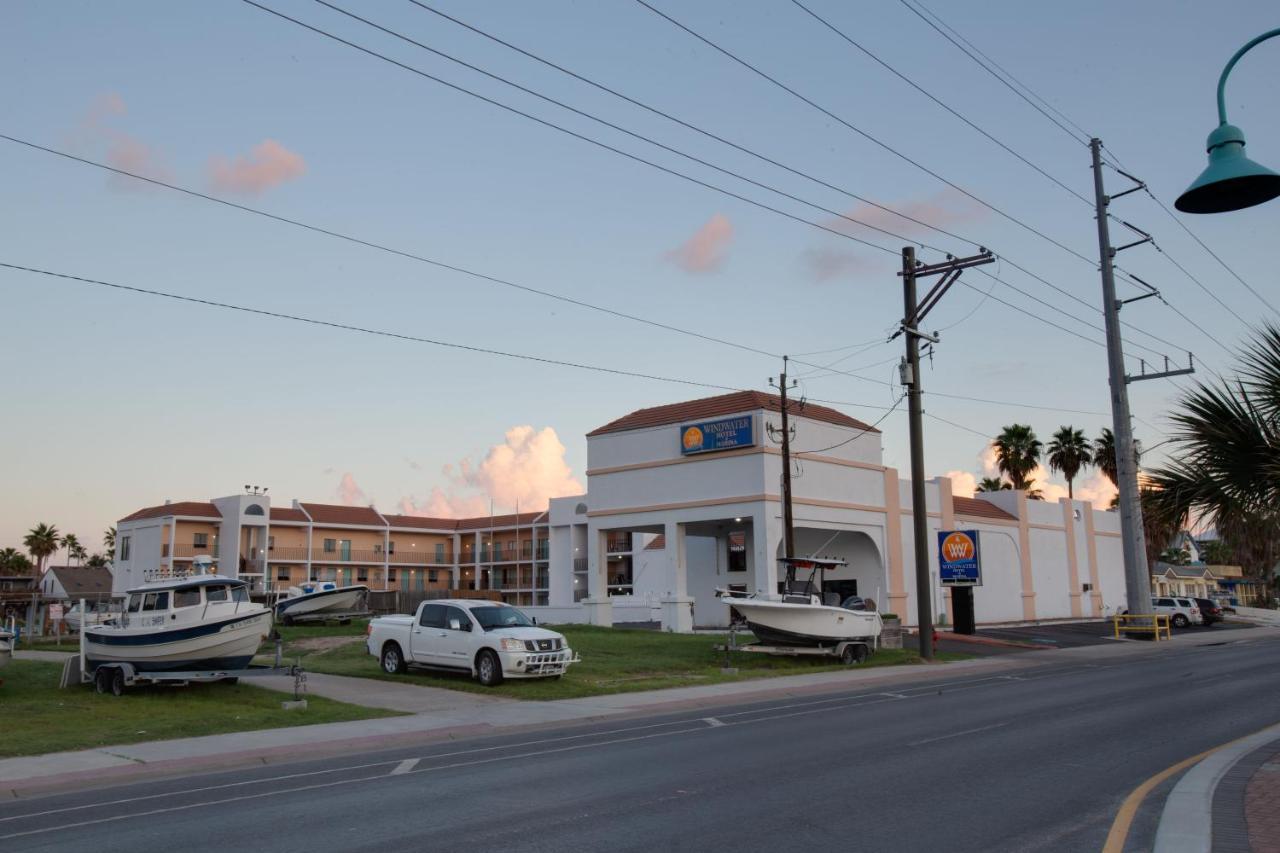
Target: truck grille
{"type": "Point", "coordinates": [543, 645]}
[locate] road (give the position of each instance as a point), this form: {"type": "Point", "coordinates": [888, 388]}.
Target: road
{"type": "Point", "coordinates": [1037, 760]}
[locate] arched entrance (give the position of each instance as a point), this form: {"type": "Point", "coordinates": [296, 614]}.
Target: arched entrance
{"type": "Point", "coordinates": [864, 575]}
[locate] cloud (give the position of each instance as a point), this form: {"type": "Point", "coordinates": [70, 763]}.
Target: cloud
{"type": "Point", "coordinates": [526, 469]}
{"type": "Point", "coordinates": [705, 251]}
{"type": "Point", "coordinates": [121, 150]}
{"type": "Point", "coordinates": [963, 484]}
{"type": "Point", "coordinates": [942, 210]}
{"type": "Point", "coordinates": [350, 493]}
{"type": "Point", "coordinates": [267, 165]}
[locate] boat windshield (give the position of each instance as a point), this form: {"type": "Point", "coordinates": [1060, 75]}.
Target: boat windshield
{"type": "Point", "coordinates": [500, 617]}
{"type": "Point", "coordinates": [186, 597]}
{"type": "Point", "coordinates": [135, 603]}
{"type": "Point", "coordinates": [239, 593]}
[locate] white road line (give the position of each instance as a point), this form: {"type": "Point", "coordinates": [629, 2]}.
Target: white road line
{"type": "Point", "coordinates": [958, 734]}
{"type": "Point", "coordinates": [894, 695]}
{"type": "Point", "coordinates": [712, 722]}
{"type": "Point", "coordinates": [405, 766]}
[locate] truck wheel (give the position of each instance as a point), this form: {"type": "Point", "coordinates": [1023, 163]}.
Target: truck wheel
{"type": "Point", "coordinates": [102, 679]}
{"type": "Point", "coordinates": [488, 668]}
{"type": "Point", "coordinates": [117, 683]}
{"type": "Point", "coordinates": [392, 659]}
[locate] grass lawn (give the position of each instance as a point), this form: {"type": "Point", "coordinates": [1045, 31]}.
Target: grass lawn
{"type": "Point", "coordinates": [39, 717]}
{"type": "Point", "coordinates": [614, 660]}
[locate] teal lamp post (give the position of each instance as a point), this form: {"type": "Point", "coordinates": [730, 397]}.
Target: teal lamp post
{"type": "Point", "coordinates": [1232, 181]}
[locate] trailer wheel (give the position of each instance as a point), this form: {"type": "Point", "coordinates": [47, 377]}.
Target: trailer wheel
{"type": "Point", "coordinates": [854, 653]}
{"type": "Point", "coordinates": [102, 679]}
{"type": "Point", "coordinates": [117, 683]}
{"type": "Point", "coordinates": [286, 620]}
{"type": "Point", "coordinates": [231, 680]}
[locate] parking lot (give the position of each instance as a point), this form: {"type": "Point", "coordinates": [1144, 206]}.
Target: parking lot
{"type": "Point", "coordinates": [1071, 635]}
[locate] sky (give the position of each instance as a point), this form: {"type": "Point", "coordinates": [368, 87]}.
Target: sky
{"type": "Point", "coordinates": [114, 400]}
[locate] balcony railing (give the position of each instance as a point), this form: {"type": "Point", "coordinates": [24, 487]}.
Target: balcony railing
{"type": "Point", "coordinates": [188, 551]}
{"type": "Point", "coordinates": [620, 544]}
{"type": "Point", "coordinates": [414, 557]}
{"type": "Point", "coordinates": [287, 553]}
{"type": "Point", "coordinates": [525, 553]}
{"type": "Point", "coordinates": [349, 555]}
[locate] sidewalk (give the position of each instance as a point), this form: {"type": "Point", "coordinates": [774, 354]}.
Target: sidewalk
{"type": "Point", "coordinates": [438, 714]}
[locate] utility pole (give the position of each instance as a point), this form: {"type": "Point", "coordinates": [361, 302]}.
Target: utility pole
{"type": "Point", "coordinates": [1137, 578]}
{"type": "Point", "coordinates": [913, 312]}
{"type": "Point", "coordinates": [788, 524]}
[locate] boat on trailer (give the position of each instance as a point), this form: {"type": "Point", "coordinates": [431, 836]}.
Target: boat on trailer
{"type": "Point", "coordinates": [184, 623]}
{"type": "Point", "coordinates": [322, 599]}
{"type": "Point", "coordinates": [6, 647]}
{"type": "Point", "coordinates": [803, 615]}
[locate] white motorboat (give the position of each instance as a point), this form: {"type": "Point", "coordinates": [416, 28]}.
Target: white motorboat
{"type": "Point", "coordinates": [95, 614]}
{"type": "Point", "coordinates": [319, 598]}
{"type": "Point", "coordinates": [803, 615]}
{"type": "Point", "coordinates": [200, 622]}
{"type": "Point", "coordinates": [6, 647]}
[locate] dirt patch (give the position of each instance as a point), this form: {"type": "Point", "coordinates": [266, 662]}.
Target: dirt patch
{"type": "Point", "coordinates": [322, 644]}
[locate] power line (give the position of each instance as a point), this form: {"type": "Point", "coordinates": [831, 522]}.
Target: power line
{"type": "Point", "coordinates": [864, 134]}
{"type": "Point", "coordinates": [860, 433]}
{"type": "Point", "coordinates": [615, 150]}
{"type": "Point", "coordinates": [369, 244]}
{"type": "Point", "coordinates": [297, 318]}
{"type": "Point", "coordinates": [913, 84]}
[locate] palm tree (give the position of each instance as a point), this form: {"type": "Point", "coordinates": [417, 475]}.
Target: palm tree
{"type": "Point", "coordinates": [992, 484]}
{"type": "Point", "coordinates": [1017, 454]}
{"type": "Point", "coordinates": [41, 541]}
{"type": "Point", "coordinates": [1068, 452]}
{"type": "Point", "coordinates": [13, 561]}
{"type": "Point", "coordinates": [109, 540]}
{"type": "Point", "coordinates": [1226, 468]}
{"type": "Point", "coordinates": [1104, 454]}
{"type": "Point", "coordinates": [72, 543]}
{"type": "Point", "coordinates": [99, 561]}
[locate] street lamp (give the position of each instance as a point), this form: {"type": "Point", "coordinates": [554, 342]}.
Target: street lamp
{"type": "Point", "coordinates": [1231, 181]}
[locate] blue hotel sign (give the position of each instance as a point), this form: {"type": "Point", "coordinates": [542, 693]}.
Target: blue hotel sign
{"type": "Point", "coordinates": [724, 434]}
{"type": "Point", "coordinates": [959, 558]}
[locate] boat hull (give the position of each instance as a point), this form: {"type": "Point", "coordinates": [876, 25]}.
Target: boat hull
{"type": "Point", "coordinates": [6, 648]}
{"type": "Point", "coordinates": [782, 623]}
{"type": "Point", "coordinates": [342, 600]}
{"type": "Point", "coordinates": [228, 643]}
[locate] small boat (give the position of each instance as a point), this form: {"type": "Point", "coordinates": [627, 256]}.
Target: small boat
{"type": "Point", "coordinates": [803, 615]}
{"type": "Point", "coordinates": [95, 615]}
{"type": "Point", "coordinates": [191, 623]}
{"type": "Point", "coordinates": [6, 647]}
{"type": "Point", "coordinates": [319, 598]}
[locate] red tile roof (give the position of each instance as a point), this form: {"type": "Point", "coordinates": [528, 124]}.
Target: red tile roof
{"type": "Point", "coordinates": [659, 543]}
{"type": "Point", "coordinates": [365, 516]}
{"type": "Point", "coordinates": [725, 404]}
{"type": "Point", "coordinates": [978, 508]}
{"type": "Point", "coordinates": [523, 519]}
{"type": "Point", "coordinates": [288, 514]}
{"type": "Point", "coordinates": [203, 509]}
{"type": "Point", "coordinates": [418, 522]}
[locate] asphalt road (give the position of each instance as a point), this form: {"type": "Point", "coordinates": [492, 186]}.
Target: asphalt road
{"type": "Point", "coordinates": [1037, 760]}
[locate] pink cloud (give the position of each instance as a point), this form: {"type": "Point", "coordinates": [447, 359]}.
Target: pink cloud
{"type": "Point", "coordinates": [267, 165]}
{"type": "Point", "coordinates": [350, 493]}
{"type": "Point", "coordinates": [526, 470]}
{"type": "Point", "coordinates": [123, 150]}
{"type": "Point", "coordinates": [963, 483]}
{"type": "Point", "coordinates": [705, 251]}
{"type": "Point", "coordinates": [944, 210]}
{"type": "Point", "coordinates": [1093, 486]}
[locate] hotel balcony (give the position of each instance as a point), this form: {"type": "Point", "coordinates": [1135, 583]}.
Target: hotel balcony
{"type": "Point", "coordinates": [426, 557]}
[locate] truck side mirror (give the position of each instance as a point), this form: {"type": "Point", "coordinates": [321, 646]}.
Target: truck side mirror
{"type": "Point", "coordinates": [455, 625]}
{"type": "Point", "coordinates": [535, 620]}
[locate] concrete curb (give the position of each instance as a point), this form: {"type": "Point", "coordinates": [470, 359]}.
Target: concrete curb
{"type": "Point", "coordinates": [1186, 823]}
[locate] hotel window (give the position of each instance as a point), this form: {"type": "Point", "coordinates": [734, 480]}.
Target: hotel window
{"type": "Point", "coordinates": [439, 552]}
{"type": "Point", "coordinates": [124, 548]}
{"type": "Point", "coordinates": [362, 574]}
{"type": "Point", "coordinates": [432, 575]}
{"type": "Point", "coordinates": [330, 546]}
{"type": "Point", "coordinates": [391, 546]}
{"type": "Point", "coordinates": [271, 543]}
{"type": "Point", "coordinates": [282, 573]}
{"type": "Point", "coordinates": [737, 552]}
{"type": "Point", "coordinates": [391, 575]}
{"type": "Point", "coordinates": [200, 540]}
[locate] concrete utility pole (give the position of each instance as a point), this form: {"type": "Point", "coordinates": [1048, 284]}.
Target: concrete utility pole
{"type": "Point", "coordinates": [1137, 578]}
{"type": "Point", "coordinates": [788, 524]}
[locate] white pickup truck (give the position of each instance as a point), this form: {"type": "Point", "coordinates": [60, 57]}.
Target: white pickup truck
{"type": "Point", "coordinates": [491, 641]}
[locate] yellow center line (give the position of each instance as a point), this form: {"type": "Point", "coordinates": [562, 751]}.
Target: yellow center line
{"type": "Point", "coordinates": [1129, 808]}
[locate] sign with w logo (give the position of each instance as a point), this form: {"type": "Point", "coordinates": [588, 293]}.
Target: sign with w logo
{"type": "Point", "coordinates": [959, 558]}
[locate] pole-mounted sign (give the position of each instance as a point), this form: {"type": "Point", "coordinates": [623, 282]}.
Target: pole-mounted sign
{"type": "Point", "coordinates": [959, 558]}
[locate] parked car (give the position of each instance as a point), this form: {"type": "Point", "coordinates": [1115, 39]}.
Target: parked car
{"type": "Point", "coordinates": [1210, 610]}
{"type": "Point", "coordinates": [1181, 611]}
{"type": "Point", "coordinates": [491, 641]}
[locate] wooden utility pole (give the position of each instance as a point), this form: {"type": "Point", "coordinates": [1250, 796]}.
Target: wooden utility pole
{"type": "Point", "coordinates": [788, 523]}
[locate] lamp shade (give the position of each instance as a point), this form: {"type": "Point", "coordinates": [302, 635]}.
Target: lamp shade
{"type": "Point", "coordinates": [1231, 181]}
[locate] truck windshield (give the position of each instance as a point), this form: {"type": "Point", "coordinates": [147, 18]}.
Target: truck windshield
{"type": "Point", "coordinates": [500, 617]}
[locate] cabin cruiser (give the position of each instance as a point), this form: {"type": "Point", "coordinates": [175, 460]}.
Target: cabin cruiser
{"type": "Point", "coordinates": [94, 614]}
{"type": "Point", "coordinates": [318, 598]}
{"type": "Point", "coordinates": [197, 622]}
{"type": "Point", "coordinates": [6, 647]}
{"type": "Point", "coordinates": [803, 615]}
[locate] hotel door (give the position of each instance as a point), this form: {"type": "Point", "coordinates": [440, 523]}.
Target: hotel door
{"type": "Point", "coordinates": [345, 544]}
{"type": "Point", "coordinates": [346, 577]}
